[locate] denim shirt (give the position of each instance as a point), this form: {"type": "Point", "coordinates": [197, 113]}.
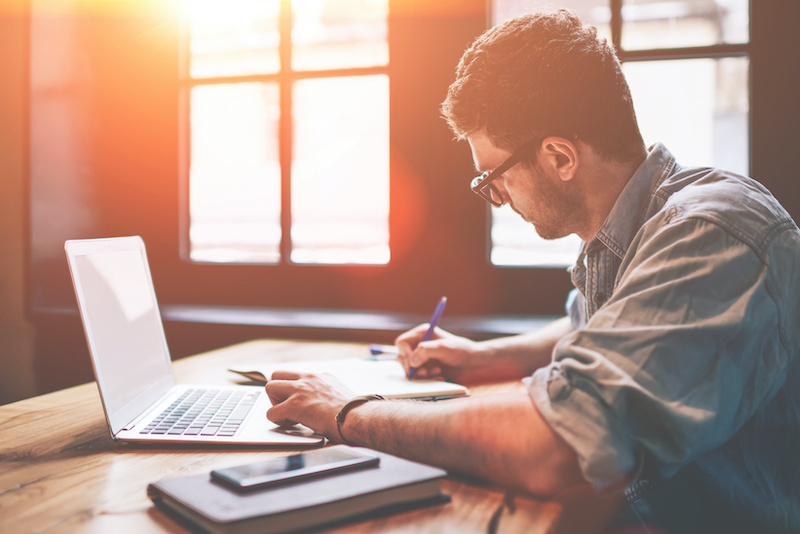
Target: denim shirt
{"type": "Point", "coordinates": [686, 338]}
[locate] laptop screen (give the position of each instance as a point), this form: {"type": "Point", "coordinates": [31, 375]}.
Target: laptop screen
{"type": "Point", "coordinates": [122, 322]}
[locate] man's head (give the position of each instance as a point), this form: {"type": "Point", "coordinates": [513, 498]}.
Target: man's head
{"type": "Point", "coordinates": [544, 74]}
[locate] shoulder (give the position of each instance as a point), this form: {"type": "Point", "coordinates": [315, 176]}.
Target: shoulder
{"type": "Point", "coordinates": [738, 205]}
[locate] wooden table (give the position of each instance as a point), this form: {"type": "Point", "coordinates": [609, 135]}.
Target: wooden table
{"type": "Point", "coordinates": [60, 471]}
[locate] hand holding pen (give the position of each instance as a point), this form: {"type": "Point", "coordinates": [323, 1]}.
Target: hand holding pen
{"type": "Point", "coordinates": [437, 315]}
{"type": "Point", "coordinates": [450, 357]}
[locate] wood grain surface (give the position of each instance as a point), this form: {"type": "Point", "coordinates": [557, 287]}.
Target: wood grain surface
{"type": "Point", "coordinates": [60, 470]}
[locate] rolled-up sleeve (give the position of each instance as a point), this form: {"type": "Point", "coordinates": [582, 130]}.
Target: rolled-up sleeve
{"type": "Point", "coordinates": [678, 359]}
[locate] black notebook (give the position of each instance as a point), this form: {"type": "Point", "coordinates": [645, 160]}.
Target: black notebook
{"type": "Point", "coordinates": [394, 484]}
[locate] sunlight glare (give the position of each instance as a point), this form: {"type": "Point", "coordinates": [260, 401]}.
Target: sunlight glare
{"type": "Point", "coordinates": [207, 13]}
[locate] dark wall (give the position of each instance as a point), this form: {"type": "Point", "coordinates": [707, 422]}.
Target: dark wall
{"type": "Point", "coordinates": [775, 105]}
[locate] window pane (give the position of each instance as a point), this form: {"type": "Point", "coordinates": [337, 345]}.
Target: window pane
{"type": "Point", "coordinates": [340, 171]}
{"type": "Point", "coordinates": [593, 12]}
{"type": "Point", "coordinates": [651, 24]}
{"type": "Point", "coordinates": [515, 242]}
{"type": "Point", "coordinates": [334, 34]}
{"type": "Point", "coordinates": [234, 189]}
{"type": "Point", "coordinates": [234, 37]}
{"type": "Point", "coordinates": [703, 119]}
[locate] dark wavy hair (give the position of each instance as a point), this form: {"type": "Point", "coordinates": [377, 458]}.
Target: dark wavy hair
{"type": "Point", "coordinates": [544, 73]}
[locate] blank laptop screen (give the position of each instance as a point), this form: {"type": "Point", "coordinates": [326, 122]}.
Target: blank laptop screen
{"type": "Point", "coordinates": [123, 322]}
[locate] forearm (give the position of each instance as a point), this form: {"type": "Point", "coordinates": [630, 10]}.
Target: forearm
{"type": "Point", "coordinates": [501, 438]}
{"type": "Point", "coordinates": [521, 355]}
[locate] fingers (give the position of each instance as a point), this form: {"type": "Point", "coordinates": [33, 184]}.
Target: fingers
{"type": "Point", "coordinates": [287, 375]}
{"type": "Point", "coordinates": [408, 341]}
{"type": "Point", "coordinates": [278, 414]}
{"type": "Point", "coordinates": [428, 371]}
{"type": "Point", "coordinates": [283, 394]}
{"type": "Point", "coordinates": [444, 356]}
{"type": "Point", "coordinates": [413, 353]}
{"type": "Point", "coordinates": [279, 390]}
{"type": "Point", "coordinates": [283, 383]}
{"type": "Point", "coordinates": [310, 399]}
{"type": "Point", "coordinates": [423, 353]}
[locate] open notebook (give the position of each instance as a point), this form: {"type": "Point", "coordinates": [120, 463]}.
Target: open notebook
{"type": "Point", "coordinates": [364, 377]}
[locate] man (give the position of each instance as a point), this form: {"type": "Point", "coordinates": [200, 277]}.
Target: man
{"type": "Point", "coordinates": [674, 374]}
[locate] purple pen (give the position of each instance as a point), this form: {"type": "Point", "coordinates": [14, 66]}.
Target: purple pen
{"type": "Point", "coordinates": [437, 314]}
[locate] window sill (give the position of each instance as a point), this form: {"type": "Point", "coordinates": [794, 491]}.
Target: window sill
{"type": "Point", "coordinates": [307, 323]}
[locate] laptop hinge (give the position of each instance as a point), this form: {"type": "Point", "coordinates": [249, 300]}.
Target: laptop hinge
{"type": "Point", "coordinates": [136, 421]}
{"type": "Point", "coordinates": [155, 407]}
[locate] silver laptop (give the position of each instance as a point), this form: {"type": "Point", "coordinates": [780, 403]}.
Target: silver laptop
{"type": "Point", "coordinates": [133, 368]}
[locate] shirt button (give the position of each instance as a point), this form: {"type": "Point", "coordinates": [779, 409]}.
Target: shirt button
{"type": "Point", "coordinates": [600, 298]}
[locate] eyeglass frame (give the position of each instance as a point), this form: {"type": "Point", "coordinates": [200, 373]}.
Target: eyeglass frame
{"type": "Point", "coordinates": [479, 184]}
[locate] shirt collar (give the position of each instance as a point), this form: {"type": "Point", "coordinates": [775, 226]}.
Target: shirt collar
{"type": "Point", "coordinates": [627, 215]}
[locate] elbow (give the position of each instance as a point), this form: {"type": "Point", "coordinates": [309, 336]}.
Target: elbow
{"type": "Point", "coordinates": [553, 473]}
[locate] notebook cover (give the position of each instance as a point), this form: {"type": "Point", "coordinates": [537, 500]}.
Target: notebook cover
{"type": "Point", "coordinates": [394, 483]}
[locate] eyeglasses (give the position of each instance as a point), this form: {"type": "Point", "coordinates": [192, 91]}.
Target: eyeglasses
{"type": "Point", "coordinates": [482, 185]}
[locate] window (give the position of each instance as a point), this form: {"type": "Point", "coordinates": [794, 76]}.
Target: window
{"type": "Point", "coordinates": [292, 118]}
{"type": "Point", "coordinates": [687, 62]}
{"type": "Point", "coordinates": [286, 131]}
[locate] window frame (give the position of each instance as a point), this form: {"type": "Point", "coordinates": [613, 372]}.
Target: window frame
{"type": "Point", "coordinates": [715, 51]}
{"type": "Point", "coordinates": [285, 79]}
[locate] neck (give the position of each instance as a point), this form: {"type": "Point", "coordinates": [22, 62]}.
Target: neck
{"type": "Point", "coordinates": [603, 185]}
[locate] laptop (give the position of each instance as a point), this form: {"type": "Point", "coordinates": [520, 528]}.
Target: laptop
{"type": "Point", "coordinates": [132, 364]}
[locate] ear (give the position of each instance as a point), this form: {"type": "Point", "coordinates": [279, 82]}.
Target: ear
{"type": "Point", "coordinates": [561, 155]}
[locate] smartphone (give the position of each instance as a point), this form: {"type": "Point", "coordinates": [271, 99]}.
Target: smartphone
{"type": "Point", "coordinates": [292, 468]}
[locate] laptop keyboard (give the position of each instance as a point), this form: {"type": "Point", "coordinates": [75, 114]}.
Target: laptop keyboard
{"type": "Point", "coordinates": [204, 412]}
